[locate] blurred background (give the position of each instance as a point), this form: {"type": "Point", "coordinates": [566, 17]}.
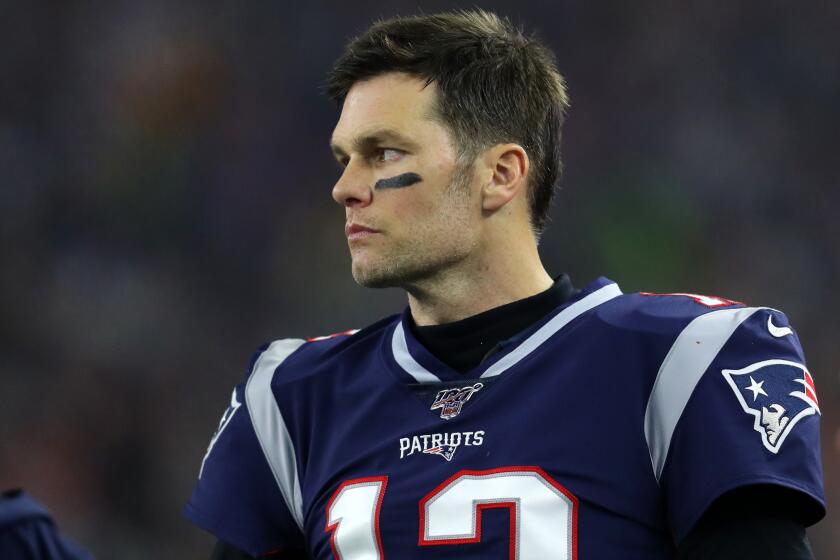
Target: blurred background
{"type": "Point", "coordinates": [165, 208]}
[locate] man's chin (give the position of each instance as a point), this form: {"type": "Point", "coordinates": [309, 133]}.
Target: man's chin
{"type": "Point", "coordinates": [380, 274]}
{"type": "Point", "coordinates": [374, 278]}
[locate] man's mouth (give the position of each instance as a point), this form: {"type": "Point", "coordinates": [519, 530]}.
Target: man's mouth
{"type": "Point", "coordinates": [357, 231]}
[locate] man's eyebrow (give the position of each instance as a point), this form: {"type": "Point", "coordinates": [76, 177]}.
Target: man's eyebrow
{"type": "Point", "coordinates": [373, 138]}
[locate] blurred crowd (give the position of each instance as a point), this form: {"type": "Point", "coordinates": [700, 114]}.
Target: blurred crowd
{"type": "Point", "coordinates": [165, 209]}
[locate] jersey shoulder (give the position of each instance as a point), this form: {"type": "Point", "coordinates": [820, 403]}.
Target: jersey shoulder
{"type": "Point", "coordinates": [671, 326]}
{"type": "Point", "coordinates": [26, 526]}
{"type": "Point", "coordinates": [648, 312]}
{"type": "Point", "coordinates": [16, 506]}
{"type": "Point", "coordinates": [296, 359]}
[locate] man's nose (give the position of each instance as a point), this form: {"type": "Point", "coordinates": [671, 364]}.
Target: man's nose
{"type": "Point", "coordinates": [353, 188]}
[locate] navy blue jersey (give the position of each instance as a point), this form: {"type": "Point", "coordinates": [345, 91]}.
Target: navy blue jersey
{"type": "Point", "coordinates": [603, 431]}
{"type": "Point", "coordinates": [27, 532]}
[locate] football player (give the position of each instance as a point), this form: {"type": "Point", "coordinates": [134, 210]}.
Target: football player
{"type": "Point", "coordinates": [504, 413]}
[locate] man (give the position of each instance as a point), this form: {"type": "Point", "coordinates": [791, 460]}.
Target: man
{"type": "Point", "coordinates": [504, 413]}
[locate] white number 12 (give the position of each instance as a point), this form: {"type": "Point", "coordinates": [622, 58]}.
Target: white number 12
{"type": "Point", "coordinates": [543, 514]}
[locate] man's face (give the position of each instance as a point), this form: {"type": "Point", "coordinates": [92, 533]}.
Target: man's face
{"type": "Point", "coordinates": [411, 207]}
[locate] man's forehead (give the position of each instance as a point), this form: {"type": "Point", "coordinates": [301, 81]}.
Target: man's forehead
{"type": "Point", "coordinates": [391, 105]}
{"type": "Point", "coordinates": [395, 87]}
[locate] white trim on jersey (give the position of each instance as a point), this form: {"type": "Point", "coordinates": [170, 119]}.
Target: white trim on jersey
{"type": "Point", "coordinates": [691, 354]}
{"type": "Point", "coordinates": [548, 330]}
{"type": "Point", "coordinates": [269, 424]}
{"type": "Point", "coordinates": [406, 361]}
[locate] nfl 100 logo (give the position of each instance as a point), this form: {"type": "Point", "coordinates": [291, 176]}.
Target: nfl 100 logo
{"type": "Point", "coordinates": [451, 401]}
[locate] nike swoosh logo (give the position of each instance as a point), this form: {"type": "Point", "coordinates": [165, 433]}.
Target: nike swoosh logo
{"type": "Point", "coordinates": [778, 332]}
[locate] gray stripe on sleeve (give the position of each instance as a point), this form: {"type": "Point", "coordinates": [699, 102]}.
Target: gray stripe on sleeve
{"type": "Point", "coordinates": [689, 357]}
{"type": "Point", "coordinates": [269, 424]}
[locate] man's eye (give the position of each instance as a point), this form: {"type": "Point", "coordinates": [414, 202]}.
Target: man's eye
{"type": "Point", "coordinates": [388, 154]}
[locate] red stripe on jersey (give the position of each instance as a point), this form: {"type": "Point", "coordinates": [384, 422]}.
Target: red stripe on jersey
{"type": "Point", "coordinates": [810, 389]}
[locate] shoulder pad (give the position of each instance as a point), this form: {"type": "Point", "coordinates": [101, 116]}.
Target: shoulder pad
{"type": "Point", "coordinates": [660, 313]}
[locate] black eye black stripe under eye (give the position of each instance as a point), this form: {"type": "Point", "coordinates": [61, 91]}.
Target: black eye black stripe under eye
{"type": "Point", "coordinates": [398, 181]}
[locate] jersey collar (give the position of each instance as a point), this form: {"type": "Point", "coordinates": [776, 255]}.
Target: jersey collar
{"type": "Point", "coordinates": [413, 359]}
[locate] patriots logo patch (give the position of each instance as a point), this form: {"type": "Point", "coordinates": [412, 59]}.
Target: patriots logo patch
{"type": "Point", "coordinates": [777, 394]}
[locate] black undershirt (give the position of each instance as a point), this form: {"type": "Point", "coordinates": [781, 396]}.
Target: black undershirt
{"type": "Point", "coordinates": [464, 344]}
{"type": "Point", "coordinates": [760, 522]}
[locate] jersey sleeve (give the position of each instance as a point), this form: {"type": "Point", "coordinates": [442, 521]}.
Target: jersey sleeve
{"type": "Point", "coordinates": [239, 496]}
{"type": "Point", "coordinates": [735, 405]}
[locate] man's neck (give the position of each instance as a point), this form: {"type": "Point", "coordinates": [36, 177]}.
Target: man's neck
{"type": "Point", "coordinates": [464, 344]}
{"type": "Point", "coordinates": [456, 295]}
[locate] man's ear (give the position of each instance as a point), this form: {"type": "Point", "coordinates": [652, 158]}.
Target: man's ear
{"type": "Point", "coordinates": [507, 167]}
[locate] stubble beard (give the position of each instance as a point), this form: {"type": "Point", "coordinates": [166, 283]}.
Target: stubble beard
{"type": "Point", "coordinates": [405, 268]}
{"type": "Point", "coordinates": [434, 250]}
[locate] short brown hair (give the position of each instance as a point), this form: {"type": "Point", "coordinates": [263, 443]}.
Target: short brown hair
{"type": "Point", "coordinates": [496, 85]}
